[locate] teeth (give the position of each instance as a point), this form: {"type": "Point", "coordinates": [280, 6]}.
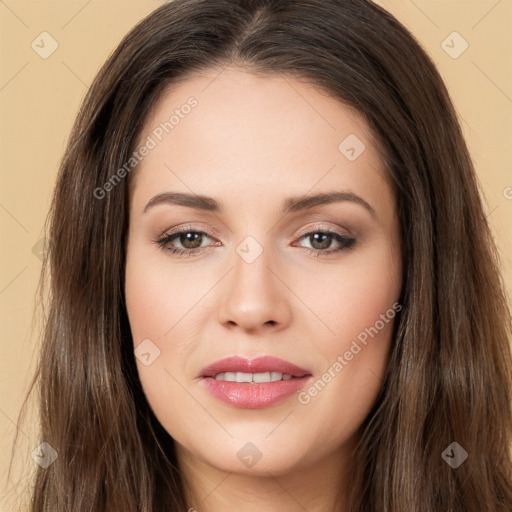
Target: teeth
{"type": "Point", "coordinates": [252, 377]}
{"type": "Point", "coordinates": [261, 377]}
{"type": "Point", "coordinates": [243, 377]}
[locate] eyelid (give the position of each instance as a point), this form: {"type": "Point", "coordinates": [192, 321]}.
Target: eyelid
{"type": "Point", "coordinates": [323, 227]}
{"type": "Point", "coordinates": [212, 234]}
{"type": "Point", "coordinates": [185, 229]}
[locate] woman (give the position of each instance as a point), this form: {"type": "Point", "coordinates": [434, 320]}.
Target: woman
{"type": "Point", "coordinates": [271, 276]}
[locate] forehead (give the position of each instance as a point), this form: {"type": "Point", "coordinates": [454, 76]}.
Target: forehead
{"type": "Point", "coordinates": [237, 101]}
{"type": "Point", "coordinates": [268, 132]}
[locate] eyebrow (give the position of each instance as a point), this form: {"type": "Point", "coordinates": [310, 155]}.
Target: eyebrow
{"type": "Point", "coordinates": [290, 205]}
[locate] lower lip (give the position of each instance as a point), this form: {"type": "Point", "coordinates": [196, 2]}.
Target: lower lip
{"type": "Point", "coordinates": [254, 395]}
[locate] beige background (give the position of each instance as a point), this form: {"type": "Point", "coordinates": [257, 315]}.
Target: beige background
{"type": "Point", "coordinates": [39, 99]}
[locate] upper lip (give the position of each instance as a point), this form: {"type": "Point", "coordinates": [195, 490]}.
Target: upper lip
{"type": "Point", "coordinates": [259, 365]}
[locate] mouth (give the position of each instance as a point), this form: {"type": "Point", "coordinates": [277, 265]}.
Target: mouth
{"type": "Point", "coordinates": [253, 384]}
{"type": "Point", "coordinates": [261, 369]}
{"type": "Point", "coordinates": [253, 378]}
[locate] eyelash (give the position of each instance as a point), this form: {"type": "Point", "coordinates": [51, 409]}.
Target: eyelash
{"type": "Point", "coordinates": [347, 242]}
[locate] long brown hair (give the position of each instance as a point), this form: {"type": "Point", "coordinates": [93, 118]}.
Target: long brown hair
{"type": "Point", "coordinates": [449, 378]}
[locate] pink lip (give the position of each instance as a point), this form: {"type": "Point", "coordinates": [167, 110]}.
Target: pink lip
{"type": "Point", "coordinates": [258, 365]}
{"type": "Point", "coordinates": [253, 395]}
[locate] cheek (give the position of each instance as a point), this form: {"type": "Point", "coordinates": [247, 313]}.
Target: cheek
{"type": "Point", "coordinates": [156, 299]}
{"type": "Point", "coordinates": [358, 307]}
{"type": "Point", "coordinates": [162, 306]}
{"type": "Point", "coordinates": [155, 303]}
{"type": "Point", "coordinates": [354, 297]}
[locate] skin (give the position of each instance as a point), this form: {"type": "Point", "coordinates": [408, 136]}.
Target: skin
{"type": "Point", "coordinates": [251, 142]}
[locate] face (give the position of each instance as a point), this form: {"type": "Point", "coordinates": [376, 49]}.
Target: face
{"type": "Point", "coordinates": [245, 262]}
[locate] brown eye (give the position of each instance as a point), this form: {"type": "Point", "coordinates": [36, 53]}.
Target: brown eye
{"type": "Point", "coordinates": [184, 242]}
{"type": "Point", "coordinates": [191, 239]}
{"type": "Point", "coordinates": [321, 241]}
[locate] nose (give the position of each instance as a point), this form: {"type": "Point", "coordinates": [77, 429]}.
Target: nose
{"type": "Point", "coordinates": [254, 296]}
